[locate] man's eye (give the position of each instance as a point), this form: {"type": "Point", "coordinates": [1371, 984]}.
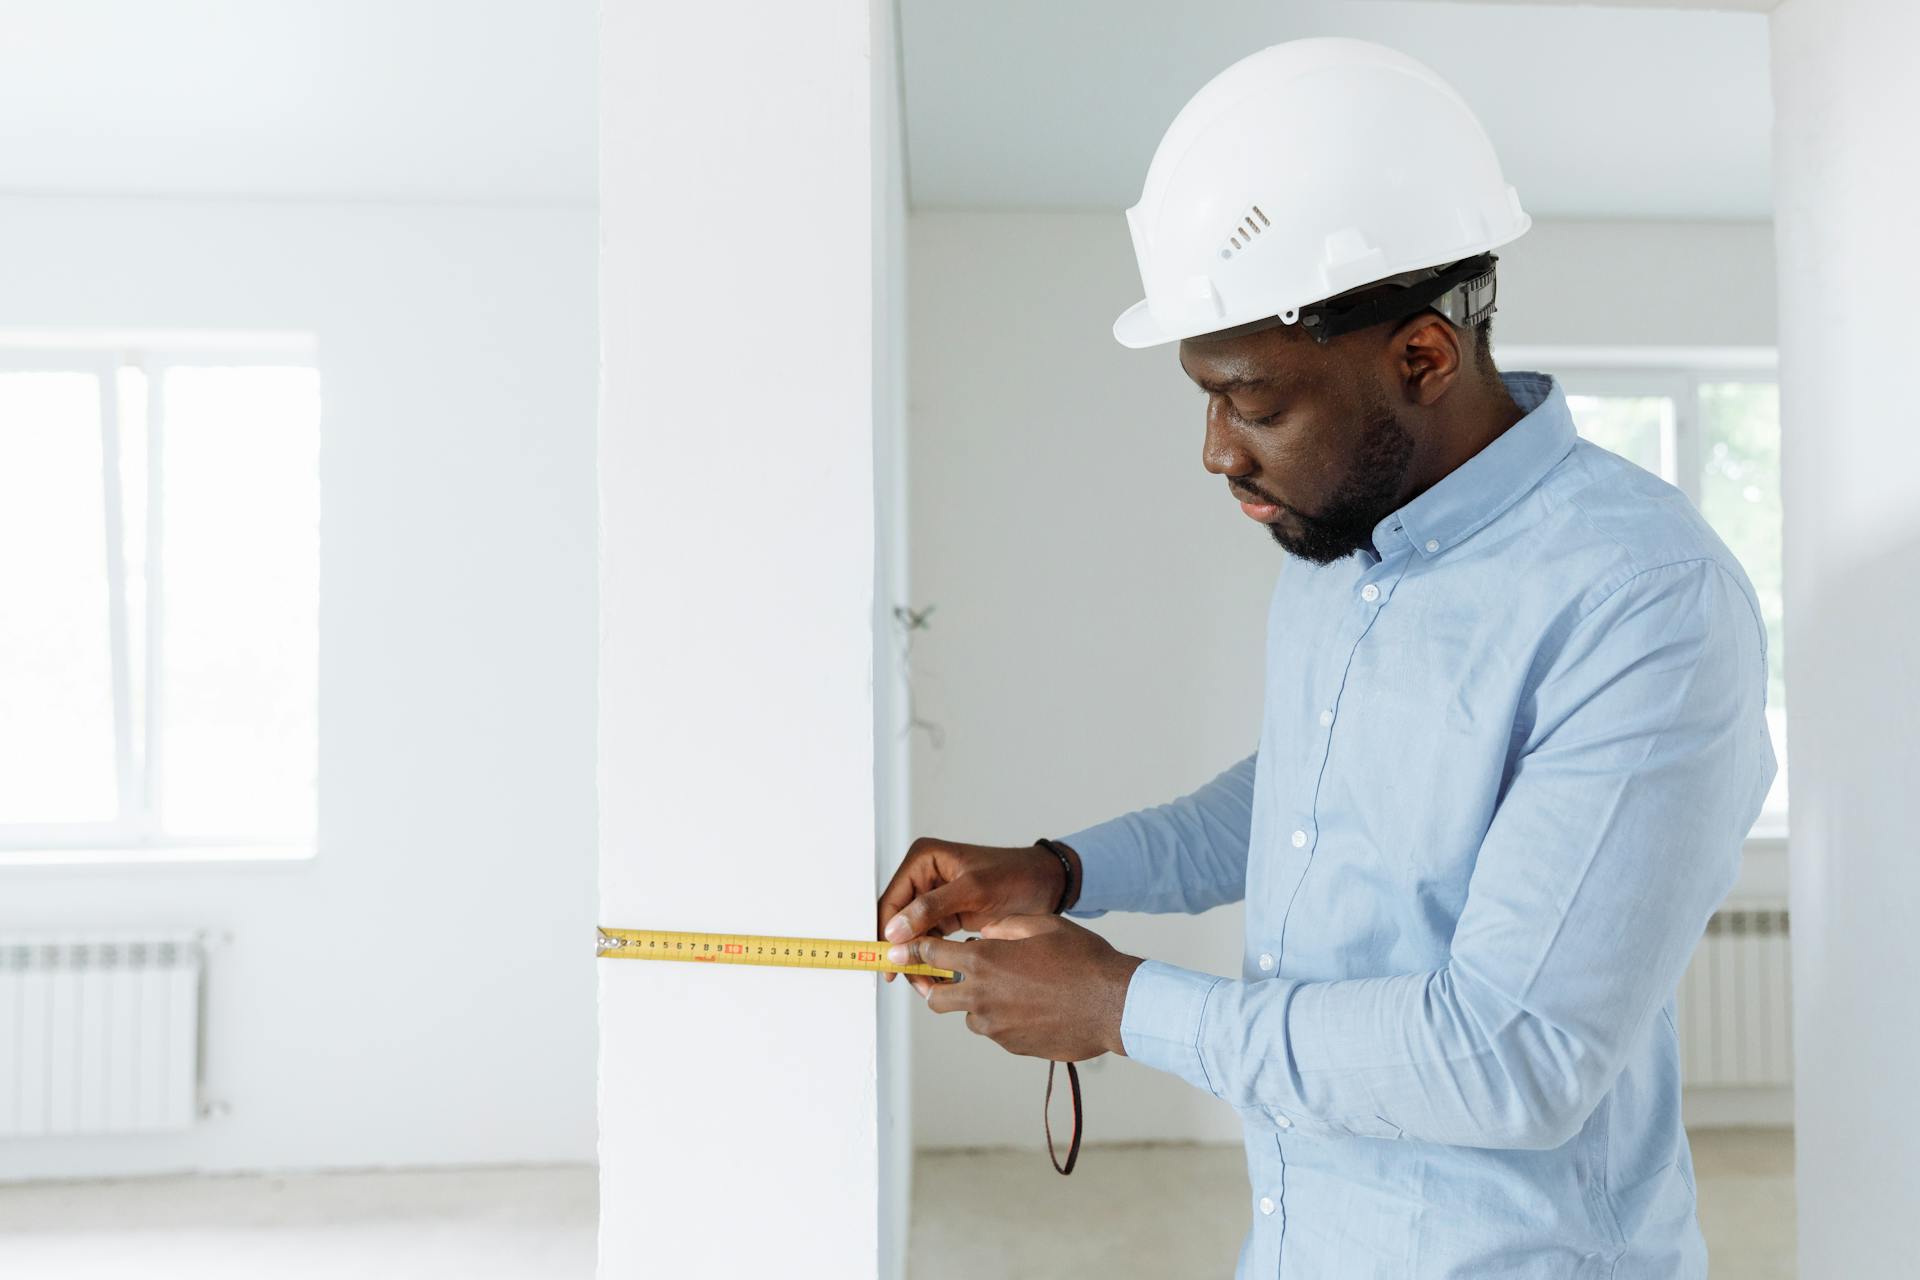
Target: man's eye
{"type": "Point", "coordinates": [1267, 421]}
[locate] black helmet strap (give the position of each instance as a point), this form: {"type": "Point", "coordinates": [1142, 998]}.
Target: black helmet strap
{"type": "Point", "coordinates": [1462, 291]}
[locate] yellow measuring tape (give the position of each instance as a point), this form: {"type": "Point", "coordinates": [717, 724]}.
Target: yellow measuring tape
{"type": "Point", "coordinates": [756, 948]}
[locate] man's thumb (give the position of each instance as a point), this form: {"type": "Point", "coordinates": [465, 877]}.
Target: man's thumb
{"type": "Point", "coordinates": [929, 909]}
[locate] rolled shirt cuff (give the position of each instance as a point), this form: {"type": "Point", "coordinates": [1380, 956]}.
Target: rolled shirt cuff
{"type": "Point", "coordinates": [1161, 1023]}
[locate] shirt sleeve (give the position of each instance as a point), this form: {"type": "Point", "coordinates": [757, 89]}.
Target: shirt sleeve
{"type": "Point", "coordinates": [1186, 855]}
{"type": "Point", "coordinates": [1647, 762]}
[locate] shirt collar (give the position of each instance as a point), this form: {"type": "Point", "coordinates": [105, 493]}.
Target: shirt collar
{"type": "Point", "coordinates": [1467, 499]}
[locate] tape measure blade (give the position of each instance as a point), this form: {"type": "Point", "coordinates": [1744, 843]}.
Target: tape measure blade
{"type": "Point", "coordinates": [756, 949]}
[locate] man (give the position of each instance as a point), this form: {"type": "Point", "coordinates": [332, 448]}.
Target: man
{"type": "Point", "coordinates": [1513, 733]}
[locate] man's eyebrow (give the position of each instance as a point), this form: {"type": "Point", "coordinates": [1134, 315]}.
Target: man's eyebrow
{"type": "Point", "coordinates": [1223, 385]}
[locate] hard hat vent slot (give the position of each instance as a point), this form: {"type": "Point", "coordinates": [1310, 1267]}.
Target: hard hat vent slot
{"type": "Point", "coordinates": [1242, 236]}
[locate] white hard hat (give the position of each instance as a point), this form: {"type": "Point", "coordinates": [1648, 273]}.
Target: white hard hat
{"type": "Point", "coordinates": [1306, 170]}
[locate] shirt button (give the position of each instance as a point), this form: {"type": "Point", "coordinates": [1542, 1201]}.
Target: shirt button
{"type": "Point", "coordinates": [1299, 839]}
{"type": "Point", "coordinates": [1326, 718]}
{"type": "Point", "coordinates": [1433, 544]}
{"type": "Point", "coordinates": [1282, 1121]}
{"type": "Point", "coordinates": [1266, 960]}
{"type": "Point", "coordinates": [1370, 593]}
{"type": "Point", "coordinates": [1266, 1204]}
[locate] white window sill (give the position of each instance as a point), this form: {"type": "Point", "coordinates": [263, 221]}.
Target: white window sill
{"type": "Point", "coordinates": [158, 855]}
{"type": "Point", "coordinates": [1763, 875]}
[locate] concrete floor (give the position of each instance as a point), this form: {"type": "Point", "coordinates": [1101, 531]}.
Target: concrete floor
{"type": "Point", "coordinates": [1008, 1215]}
{"type": "Point", "coordinates": [991, 1215]}
{"type": "Point", "coordinates": [491, 1224]}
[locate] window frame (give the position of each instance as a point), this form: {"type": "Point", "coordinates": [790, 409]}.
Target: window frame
{"type": "Point", "coordinates": [135, 835]}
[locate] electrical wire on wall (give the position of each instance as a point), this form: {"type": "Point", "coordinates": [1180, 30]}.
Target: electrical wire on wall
{"type": "Point", "coordinates": [911, 620]}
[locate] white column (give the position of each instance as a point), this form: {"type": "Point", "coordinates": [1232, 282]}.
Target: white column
{"type": "Point", "coordinates": [1846, 110]}
{"type": "Point", "coordinates": [892, 704]}
{"type": "Point", "coordinates": [738, 1106]}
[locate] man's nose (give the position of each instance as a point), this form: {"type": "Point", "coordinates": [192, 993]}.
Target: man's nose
{"type": "Point", "coordinates": [1221, 451]}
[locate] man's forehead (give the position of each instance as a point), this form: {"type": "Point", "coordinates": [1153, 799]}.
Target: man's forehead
{"type": "Point", "coordinates": [1222, 363]}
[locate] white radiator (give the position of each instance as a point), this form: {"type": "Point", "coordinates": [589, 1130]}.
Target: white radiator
{"type": "Point", "coordinates": [1736, 1001]}
{"type": "Point", "coordinates": [99, 1033]}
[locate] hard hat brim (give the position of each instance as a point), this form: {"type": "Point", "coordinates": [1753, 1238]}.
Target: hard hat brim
{"type": "Point", "coordinates": [1135, 327]}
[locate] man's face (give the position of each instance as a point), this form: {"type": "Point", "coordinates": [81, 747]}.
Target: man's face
{"type": "Point", "coordinates": [1307, 435]}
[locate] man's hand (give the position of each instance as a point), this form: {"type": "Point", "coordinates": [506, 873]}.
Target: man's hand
{"type": "Point", "coordinates": [1038, 985]}
{"type": "Point", "coordinates": [942, 887]}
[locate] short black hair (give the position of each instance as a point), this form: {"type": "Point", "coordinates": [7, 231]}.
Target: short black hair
{"type": "Point", "coordinates": [1483, 347]}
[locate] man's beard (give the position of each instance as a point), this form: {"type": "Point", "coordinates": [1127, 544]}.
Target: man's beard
{"type": "Point", "coordinates": [1370, 491]}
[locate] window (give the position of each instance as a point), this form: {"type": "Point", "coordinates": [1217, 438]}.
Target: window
{"type": "Point", "coordinates": [1708, 422]}
{"type": "Point", "coordinates": [159, 568]}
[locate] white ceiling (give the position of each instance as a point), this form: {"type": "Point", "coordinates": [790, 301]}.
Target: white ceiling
{"type": "Point", "coordinates": [357, 99]}
{"type": "Point", "coordinates": [1596, 112]}
{"type": "Point", "coordinates": [1608, 112]}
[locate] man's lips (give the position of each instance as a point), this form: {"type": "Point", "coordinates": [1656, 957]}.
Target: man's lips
{"type": "Point", "coordinates": [1256, 506]}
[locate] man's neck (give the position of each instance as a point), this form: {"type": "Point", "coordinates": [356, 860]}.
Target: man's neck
{"type": "Point", "coordinates": [1467, 424]}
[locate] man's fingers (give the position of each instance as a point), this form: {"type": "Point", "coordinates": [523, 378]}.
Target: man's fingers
{"type": "Point", "coordinates": [921, 951]}
{"type": "Point", "coordinates": [913, 917]}
{"type": "Point", "coordinates": [947, 997]}
{"type": "Point", "coordinates": [941, 954]}
{"type": "Point", "coordinates": [931, 912]}
{"type": "Point", "coordinates": [899, 892]}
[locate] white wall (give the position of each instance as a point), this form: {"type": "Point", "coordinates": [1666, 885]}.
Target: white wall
{"type": "Point", "coordinates": [1847, 104]}
{"type": "Point", "coordinates": [1680, 284]}
{"type": "Point", "coordinates": [744, 339]}
{"type": "Point", "coordinates": [1100, 603]}
{"type": "Point", "coordinates": [421, 992]}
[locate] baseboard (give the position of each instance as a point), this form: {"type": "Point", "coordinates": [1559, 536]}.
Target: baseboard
{"type": "Point", "coordinates": [1729, 1107]}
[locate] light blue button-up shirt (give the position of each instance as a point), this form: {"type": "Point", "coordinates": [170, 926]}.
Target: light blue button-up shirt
{"type": "Point", "coordinates": [1503, 778]}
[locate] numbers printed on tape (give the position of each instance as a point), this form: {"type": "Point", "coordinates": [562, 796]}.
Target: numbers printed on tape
{"type": "Point", "coordinates": [754, 948]}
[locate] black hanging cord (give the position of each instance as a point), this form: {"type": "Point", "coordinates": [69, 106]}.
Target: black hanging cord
{"type": "Point", "coordinates": [1046, 1115]}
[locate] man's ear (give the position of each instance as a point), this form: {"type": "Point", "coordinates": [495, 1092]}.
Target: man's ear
{"type": "Point", "coordinates": [1427, 354]}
